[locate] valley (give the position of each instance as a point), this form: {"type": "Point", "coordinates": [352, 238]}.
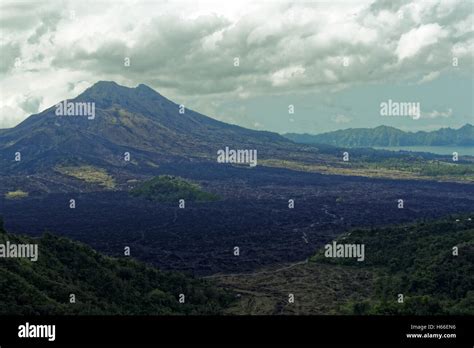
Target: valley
{"type": "Point", "coordinates": [253, 214]}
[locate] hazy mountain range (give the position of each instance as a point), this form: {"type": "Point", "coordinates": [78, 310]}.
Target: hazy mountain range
{"type": "Point", "coordinates": [389, 136]}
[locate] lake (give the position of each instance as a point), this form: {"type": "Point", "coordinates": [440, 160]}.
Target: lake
{"type": "Point", "coordinates": [440, 150]}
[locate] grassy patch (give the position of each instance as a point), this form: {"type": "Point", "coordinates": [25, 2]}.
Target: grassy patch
{"type": "Point", "coordinates": [18, 194]}
{"type": "Point", "coordinates": [425, 168]}
{"type": "Point", "coordinates": [399, 169]}
{"type": "Point", "coordinates": [89, 174]}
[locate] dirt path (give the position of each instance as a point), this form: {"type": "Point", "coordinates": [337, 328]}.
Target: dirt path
{"type": "Point", "coordinates": [219, 275]}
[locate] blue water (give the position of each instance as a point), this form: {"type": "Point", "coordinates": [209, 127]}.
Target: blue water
{"type": "Point", "coordinates": [440, 150]}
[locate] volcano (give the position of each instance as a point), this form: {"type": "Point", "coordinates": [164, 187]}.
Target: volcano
{"type": "Point", "coordinates": [133, 130]}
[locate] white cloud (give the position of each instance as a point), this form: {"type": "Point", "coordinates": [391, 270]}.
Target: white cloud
{"type": "Point", "coordinates": [287, 75]}
{"type": "Point", "coordinates": [429, 77]}
{"type": "Point", "coordinates": [417, 38]}
{"type": "Point", "coordinates": [342, 119]}
{"type": "Point", "coordinates": [437, 114]}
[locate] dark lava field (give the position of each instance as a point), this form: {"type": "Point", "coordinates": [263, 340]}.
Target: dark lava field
{"type": "Point", "coordinates": [253, 214]}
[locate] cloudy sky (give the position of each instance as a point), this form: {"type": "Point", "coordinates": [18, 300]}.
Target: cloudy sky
{"type": "Point", "coordinates": [335, 62]}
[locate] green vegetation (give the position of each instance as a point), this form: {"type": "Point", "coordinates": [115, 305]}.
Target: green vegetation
{"type": "Point", "coordinates": [319, 289]}
{"type": "Point", "coordinates": [18, 194]}
{"type": "Point", "coordinates": [88, 174]}
{"type": "Point", "coordinates": [399, 167]}
{"type": "Point", "coordinates": [425, 168]}
{"type": "Point", "coordinates": [166, 188]}
{"type": "Point", "coordinates": [101, 285]}
{"type": "Point", "coordinates": [417, 261]}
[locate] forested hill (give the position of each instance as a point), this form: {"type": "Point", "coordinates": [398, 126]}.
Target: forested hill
{"type": "Point", "coordinates": [389, 136]}
{"type": "Point", "coordinates": [419, 262]}
{"type": "Point", "coordinates": [101, 284]}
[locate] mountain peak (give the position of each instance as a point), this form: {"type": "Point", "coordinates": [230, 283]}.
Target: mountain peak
{"type": "Point", "coordinates": [105, 83]}
{"type": "Point", "coordinates": [144, 87]}
{"type": "Point", "coordinates": [383, 127]}
{"type": "Point", "coordinates": [110, 85]}
{"type": "Point", "coordinates": [107, 93]}
{"type": "Point", "coordinates": [104, 88]}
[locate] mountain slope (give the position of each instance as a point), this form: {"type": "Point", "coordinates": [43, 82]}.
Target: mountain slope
{"type": "Point", "coordinates": [101, 285]}
{"type": "Point", "coordinates": [389, 136]}
{"type": "Point", "coordinates": [136, 120]}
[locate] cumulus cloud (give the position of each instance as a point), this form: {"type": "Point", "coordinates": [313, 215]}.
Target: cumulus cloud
{"type": "Point", "coordinates": [341, 118]}
{"type": "Point", "coordinates": [287, 75]}
{"type": "Point", "coordinates": [429, 77]}
{"type": "Point", "coordinates": [437, 114]}
{"type": "Point", "coordinates": [31, 104]}
{"type": "Point", "coordinates": [10, 56]}
{"type": "Point", "coordinates": [414, 40]}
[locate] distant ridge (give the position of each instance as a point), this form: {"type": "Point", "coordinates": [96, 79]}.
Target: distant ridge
{"type": "Point", "coordinates": [389, 136]}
